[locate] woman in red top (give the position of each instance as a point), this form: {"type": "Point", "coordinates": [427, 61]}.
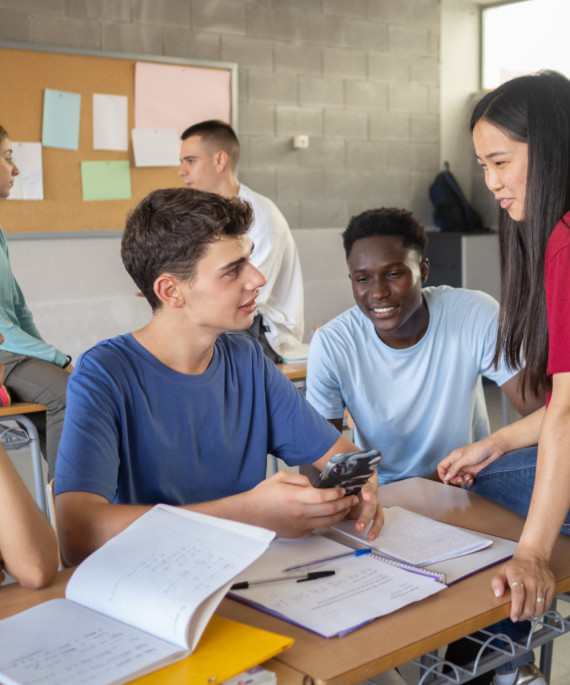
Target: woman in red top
{"type": "Point", "coordinates": [521, 134]}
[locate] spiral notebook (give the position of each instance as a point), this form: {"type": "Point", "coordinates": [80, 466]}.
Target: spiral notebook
{"type": "Point", "coordinates": [361, 589]}
{"type": "Point", "coordinates": [426, 546]}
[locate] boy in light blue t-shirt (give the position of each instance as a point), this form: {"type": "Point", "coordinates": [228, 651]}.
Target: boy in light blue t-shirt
{"type": "Point", "coordinates": [407, 361]}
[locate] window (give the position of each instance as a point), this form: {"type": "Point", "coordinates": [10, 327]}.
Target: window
{"type": "Point", "coordinates": [524, 37]}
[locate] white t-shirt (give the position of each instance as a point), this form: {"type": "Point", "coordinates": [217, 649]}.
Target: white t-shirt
{"type": "Point", "coordinates": [417, 404]}
{"type": "Point", "coordinates": [280, 301]}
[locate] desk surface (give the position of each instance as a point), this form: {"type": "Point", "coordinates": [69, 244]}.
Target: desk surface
{"type": "Point", "coordinates": [14, 599]}
{"type": "Point", "coordinates": [294, 370]}
{"type": "Point", "coordinates": [418, 628]}
{"type": "Point", "coordinates": [21, 408]}
{"type": "Point", "coordinates": [394, 639]}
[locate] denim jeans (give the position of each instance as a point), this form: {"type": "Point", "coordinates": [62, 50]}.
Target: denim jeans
{"type": "Point", "coordinates": [509, 481]}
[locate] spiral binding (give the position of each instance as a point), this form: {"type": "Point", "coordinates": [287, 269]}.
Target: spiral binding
{"type": "Point", "coordinates": [413, 568]}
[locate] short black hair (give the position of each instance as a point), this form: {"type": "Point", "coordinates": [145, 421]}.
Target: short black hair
{"type": "Point", "coordinates": [170, 230]}
{"type": "Point", "coordinates": [217, 132]}
{"type": "Point", "coordinates": [386, 221]}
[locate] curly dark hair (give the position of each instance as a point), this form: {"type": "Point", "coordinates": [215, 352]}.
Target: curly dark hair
{"type": "Point", "coordinates": [386, 221]}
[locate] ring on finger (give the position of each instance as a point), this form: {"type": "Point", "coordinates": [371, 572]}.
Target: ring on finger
{"type": "Point", "coordinates": [540, 600]}
{"type": "Point", "coordinates": [515, 584]}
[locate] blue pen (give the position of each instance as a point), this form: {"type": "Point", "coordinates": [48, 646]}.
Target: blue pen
{"type": "Point", "coordinates": [353, 553]}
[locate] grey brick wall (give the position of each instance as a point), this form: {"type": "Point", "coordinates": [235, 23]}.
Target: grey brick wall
{"type": "Point", "coordinates": [360, 77]}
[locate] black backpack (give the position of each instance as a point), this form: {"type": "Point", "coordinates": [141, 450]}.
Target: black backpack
{"type": "Point", "coordinates": [452, 212]}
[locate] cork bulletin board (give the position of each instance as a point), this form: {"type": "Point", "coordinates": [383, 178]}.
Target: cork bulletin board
{"type": "Point", "coordinates": [26, 73]}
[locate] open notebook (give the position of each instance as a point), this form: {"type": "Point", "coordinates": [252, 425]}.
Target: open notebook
{"type": "Point", "coordinates": [362, 588]}
{"type": "Point", "coordinates": [368, 586]}
{"type": "Point", "coordinates": [139, 602]}
{"type": "Point", "coordinates": [424, 545]}
{"type": "Point", "coordinates": [417, 539]}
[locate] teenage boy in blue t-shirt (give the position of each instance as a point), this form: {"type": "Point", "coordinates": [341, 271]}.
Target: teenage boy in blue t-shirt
{"type": "Point", "coordinates": [183, 411]}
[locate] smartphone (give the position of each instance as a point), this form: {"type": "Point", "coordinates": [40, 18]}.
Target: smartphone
{"type": "Point", "coordinates": [349, 470]}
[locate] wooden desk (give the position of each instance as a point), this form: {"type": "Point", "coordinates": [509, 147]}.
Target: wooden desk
{"type": "Point", "coordinates": [394, 639]}
{"type": "Point", "coordinates": [295, 371]}
{"type": "Point", "coordinates": [14, 599]}
{"type": "Point", "coordinates": [20, 408]}
{"type": "Point", "coordinates": [419, 628]}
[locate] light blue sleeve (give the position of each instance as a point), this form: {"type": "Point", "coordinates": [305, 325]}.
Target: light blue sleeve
{"type": "Point", "coordinates": [18, 341]}
{"type": "Point", "coordinates": [323, 380]}
{"type": "Point", "coordinates": [483, 311]}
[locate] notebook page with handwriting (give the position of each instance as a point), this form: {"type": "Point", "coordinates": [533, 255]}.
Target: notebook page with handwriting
{"type": "Point", "coordinates": [417, 539]}
{"type": "Point", "coordinates": [362, 589]}
{"type": "Point", "coordinates": [63, 643]}
{"type": "Point", "coordinates": [167, 572]}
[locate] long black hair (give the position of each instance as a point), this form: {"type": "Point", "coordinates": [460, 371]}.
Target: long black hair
{"type": "Point", "coordinates": [534, 109]}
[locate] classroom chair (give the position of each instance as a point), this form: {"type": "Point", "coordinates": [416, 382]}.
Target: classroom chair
{"type": "Point", "coordinates": [50, 502]}
{"type": "Point", "coordinates": [23, 434]}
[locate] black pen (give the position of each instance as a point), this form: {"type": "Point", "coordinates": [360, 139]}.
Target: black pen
{"type": "Point", "coordinates": [300, 578]}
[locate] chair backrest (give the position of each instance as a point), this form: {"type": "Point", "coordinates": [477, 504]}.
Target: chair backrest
{"type": "Point", "coordinates": [50, 503]}
{"type": "Point", "coordinates": [20, 412]}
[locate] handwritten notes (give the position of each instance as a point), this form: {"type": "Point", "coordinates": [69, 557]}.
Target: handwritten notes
{"type": "Point", "coordinates": [417, 539]}
{"type": "Point", "coordinates": [362, 589]}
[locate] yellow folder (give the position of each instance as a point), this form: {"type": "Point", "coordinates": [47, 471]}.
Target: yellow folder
{"type": "Point", "coordinates": [225, 649]}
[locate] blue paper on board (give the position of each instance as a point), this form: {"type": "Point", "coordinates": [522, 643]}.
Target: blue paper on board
{"type": "Point", "coordinates": [61, 119]}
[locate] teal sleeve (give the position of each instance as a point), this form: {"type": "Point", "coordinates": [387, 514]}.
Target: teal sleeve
{"type": "Point", "coordinates": [21, 335]}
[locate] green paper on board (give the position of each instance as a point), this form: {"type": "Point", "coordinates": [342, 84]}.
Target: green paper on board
{"type": "Point", "coordinates": [110, 180]}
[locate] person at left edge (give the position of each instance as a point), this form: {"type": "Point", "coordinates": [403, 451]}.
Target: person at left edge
{"type": "Point", "coordinates": [35, 370]}
{"type": "Point", "coordinates": [28, 548]}
{"type": "Point", "coordinates": [185, 410]}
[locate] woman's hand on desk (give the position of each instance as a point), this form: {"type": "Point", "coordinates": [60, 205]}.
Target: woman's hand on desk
{"type": "Point", "coordinates": [368, 508]}
{"type": "Point", "coordinates": [531, 583]}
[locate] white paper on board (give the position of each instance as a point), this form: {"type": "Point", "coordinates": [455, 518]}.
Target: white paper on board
{"type": "Point", "coordinates": [110, 128]}
{"type": "Point", "coordinates": [155, 147]}
{"type": "Point", "coordinates": [29, 184]}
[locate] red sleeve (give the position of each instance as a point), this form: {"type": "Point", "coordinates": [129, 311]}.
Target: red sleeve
{"type": "Point", "coordinates": [557, 284]}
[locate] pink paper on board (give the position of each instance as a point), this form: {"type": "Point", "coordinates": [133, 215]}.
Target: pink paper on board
{"type": "Point", "coordinates": [172, 96]}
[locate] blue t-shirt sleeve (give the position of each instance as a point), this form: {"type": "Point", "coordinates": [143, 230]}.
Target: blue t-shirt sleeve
{"type": "Point", "coordinates": [323, 386]}
{"type": "Point", "coordinates": [88, 455]}
{"type": "Point", "coordinates": [297, 433]}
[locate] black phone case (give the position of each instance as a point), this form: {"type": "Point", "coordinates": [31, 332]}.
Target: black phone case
{"type": "Point", "coordinates": [349, 470]}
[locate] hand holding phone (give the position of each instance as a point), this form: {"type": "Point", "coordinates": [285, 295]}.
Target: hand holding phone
{"type": "Point", "coordinates": [349, 470]}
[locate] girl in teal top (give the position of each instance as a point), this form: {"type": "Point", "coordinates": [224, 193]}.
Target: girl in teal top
{"type": "Point", "coordinates": [35, 371]}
